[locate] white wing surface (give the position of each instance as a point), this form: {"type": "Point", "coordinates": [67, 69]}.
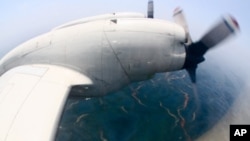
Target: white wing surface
{"type": "Point", "coordinates": [32, 99]}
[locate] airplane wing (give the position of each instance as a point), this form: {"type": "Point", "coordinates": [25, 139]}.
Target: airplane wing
{"type": "Point", "coordinates": [32, 98]}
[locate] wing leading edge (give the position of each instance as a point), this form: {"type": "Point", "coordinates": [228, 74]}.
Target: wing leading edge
{"type": "Point", "coordinates": [32, 98]}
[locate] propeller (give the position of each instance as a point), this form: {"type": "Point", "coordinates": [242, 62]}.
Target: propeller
{"type": "Point", "coordinates": [179, 18]}
{"type": "Point", "coordinates": [150, 9]}
{"type": "Point", "coordinates": [195, 50]}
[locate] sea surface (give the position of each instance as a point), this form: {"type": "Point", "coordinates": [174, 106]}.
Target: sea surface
{"type": "Point", "coordinates": [164, 108]}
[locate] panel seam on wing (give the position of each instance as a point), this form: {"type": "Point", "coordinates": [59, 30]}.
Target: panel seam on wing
{"type": "Point", "coordinates": [6, 137]}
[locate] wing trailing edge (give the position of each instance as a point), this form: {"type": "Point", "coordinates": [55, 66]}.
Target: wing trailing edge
{"type": "Point", "coordinates": [32, 98]}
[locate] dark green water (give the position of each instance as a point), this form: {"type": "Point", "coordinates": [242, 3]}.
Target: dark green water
{"type": "Point", "coordinates": [161, 109]}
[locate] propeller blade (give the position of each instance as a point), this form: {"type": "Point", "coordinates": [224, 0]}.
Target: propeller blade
{"type": "Point", "coordinates": [192, 73]}
{"type": "Point", "coordinates": [150, 9]}
{"type": "Point", "coordinates": [222, 30]}
{"type": "Point", "coordinates": [180, 19]}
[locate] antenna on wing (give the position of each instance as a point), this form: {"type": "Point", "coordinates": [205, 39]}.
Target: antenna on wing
{"type": "Point", "coordinates": [151, 9]}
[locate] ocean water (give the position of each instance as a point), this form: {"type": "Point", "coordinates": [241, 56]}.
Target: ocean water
{"type": "Point", "coordinates": [164, 108]}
